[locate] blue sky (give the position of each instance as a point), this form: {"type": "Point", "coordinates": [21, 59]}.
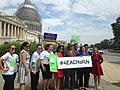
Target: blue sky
{"type": "Point", "coordinates": [90, 19]}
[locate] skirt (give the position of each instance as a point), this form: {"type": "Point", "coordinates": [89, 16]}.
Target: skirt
{"type": "Point", "coordinates": [58, 74]}
{"type": "Point", "coordinates": [47, 74]}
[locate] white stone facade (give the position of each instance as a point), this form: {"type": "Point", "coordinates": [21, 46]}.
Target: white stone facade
{"type": "Point", "coordinates": [12, 29]}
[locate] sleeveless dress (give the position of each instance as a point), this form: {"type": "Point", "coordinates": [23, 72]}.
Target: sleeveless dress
{"type": "Point", "coordinates": [59, 74]}
{"type": "Point", "coordinates": [21, 75]}
{"type": "Point", "coordinates": [97, 69]}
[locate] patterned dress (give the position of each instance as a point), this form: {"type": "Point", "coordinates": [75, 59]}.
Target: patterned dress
{"type": "Point", "coordinates": [21, 75]}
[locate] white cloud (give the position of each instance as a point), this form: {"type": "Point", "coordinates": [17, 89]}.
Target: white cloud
{"type": "Point", "coordinates": [50, 23]}
{"type": "Point", "coordinates": [101, 8]}
{"type": "Point", "coordinates": [90, 19]}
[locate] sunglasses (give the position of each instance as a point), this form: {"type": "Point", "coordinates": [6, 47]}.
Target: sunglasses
{"type": "Point", "coordinates": [13, 48]}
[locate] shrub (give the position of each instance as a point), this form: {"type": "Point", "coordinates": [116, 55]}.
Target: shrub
{"type": "Point", "coordinates": [4, 47]}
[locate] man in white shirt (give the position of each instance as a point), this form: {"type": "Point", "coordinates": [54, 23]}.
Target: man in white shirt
{"type": "Point", "coordinates": [34, 67]}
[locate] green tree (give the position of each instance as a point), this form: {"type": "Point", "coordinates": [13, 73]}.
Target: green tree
{"type": "Point", "coordinates": [105, 44]}
{"type": "Point", "coordinates": [116, 31]}
{"type": "Point", "coordinates": [98, 45]}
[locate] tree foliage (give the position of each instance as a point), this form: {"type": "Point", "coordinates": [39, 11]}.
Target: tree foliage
{"type": "Point", "coordinates": [105, 44]}
{"type": "Point", "coordinates": [116, 32]}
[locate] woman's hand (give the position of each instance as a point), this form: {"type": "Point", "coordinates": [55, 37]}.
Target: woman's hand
{"type": "Point", "coordinates": [44, 69]}
{"type": "Point", "coordinates": [5, 69]}
{"type": "Point", "coordinates": [34, 72]}
{"type": "Point", "coordinates": [26, 72]}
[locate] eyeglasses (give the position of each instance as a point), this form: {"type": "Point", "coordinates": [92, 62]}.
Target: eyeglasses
{"type": "Point", "coordinates": [13, 48]}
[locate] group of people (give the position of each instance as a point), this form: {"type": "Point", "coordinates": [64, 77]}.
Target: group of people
{"type": "Point", "coordinates": [27, 65]}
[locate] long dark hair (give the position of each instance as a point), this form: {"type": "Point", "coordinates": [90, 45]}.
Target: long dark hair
{"type": "Point", "coordinates": [47, 46]}
{"type": "Point", "coordinates": [58, 49]}
{"type": "Point", "coordinates": [69, 46]}
{"type": "Point", "coordinates": [23, 45]}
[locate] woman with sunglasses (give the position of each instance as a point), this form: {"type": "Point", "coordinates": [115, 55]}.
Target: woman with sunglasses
{"type": "Point", "coordinates": [8, 65]}
{"type": "Point", "coordinates": [45, 68]}
{"type": "Point", "coordinates": [34, 67]}
{"type": "Point", "coordinates": [24, 65]}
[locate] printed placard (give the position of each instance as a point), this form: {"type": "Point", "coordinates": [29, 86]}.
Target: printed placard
{"type": "Point", "coordinates": [74, 62]}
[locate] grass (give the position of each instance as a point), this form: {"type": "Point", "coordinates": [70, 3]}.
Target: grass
{"type": "Point", "coordinates": [116, 84]}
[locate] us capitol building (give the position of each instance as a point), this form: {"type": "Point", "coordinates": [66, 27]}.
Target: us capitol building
{"type": "Point", "coordinates": [24, 26]}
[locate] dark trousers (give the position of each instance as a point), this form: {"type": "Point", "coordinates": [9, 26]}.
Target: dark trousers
{"type": "Point", "coordinates": [84, 72]}
{"type": "Point", "coordinates": [69, 78]}
{"type": "Point", "coordinates": [77, 77]}
{"type": "Point", "coordinates": [14, 76]}
{"type": "Point", "coordinates": [9, 82]}
{"type": "Point", "coordinates": [34, 80]}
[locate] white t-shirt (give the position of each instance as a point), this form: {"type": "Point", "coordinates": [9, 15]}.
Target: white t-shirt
{"type": "Point", "coordinates": [10, 62]}
{"type": "Point", "coordinates": [17, 60]}
{"type": "Point", "coordinates": [45, 56]}
{"type": "Point", "coordinates": [34, 61]}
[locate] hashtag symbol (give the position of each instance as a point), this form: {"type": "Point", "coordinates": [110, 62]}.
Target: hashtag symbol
{"type": "Point", "coordinates": [61, 62]}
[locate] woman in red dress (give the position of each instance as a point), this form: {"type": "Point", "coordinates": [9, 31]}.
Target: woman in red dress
{"type": "Point", "coordinates": [58, 75]}
{"type": "Point", "coordinates": [97, 69]}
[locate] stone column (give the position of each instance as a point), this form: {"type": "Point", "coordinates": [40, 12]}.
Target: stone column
{"type": "Point", "coordinates": [4, 29]}
{"type": "Point", "coordinates": [0, 28]}
{"type": "Point", "coordinates": [15, 31]}
{"type": "Point", "coordinates": [23, 34]}
{"type": "Point", "coordinates": [8, 33]}
{"type": "Point", "coordinates": [18, 36]}
{"type": "Point", "coordinates": [20, 33]}
{"type": "Point", "coordinates": [11, 30]}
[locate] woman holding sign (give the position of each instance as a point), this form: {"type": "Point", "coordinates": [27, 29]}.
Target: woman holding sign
{"type": "Point", "coordinates": [45, 68]}
{"type": "Point", "coordinates": [97, 69]}
{"type": "Point", "coordinates": [58, 75]}
{"type": "Point", "coordinates": [83, 72]}
{"type": "Point", "coordinates": [69, 73]}
{"type": "Point", "coordinates": [8, 67]}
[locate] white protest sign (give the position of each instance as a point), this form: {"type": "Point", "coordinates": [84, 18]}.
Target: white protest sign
{"type": "Point", "coordinates": [74, 62]}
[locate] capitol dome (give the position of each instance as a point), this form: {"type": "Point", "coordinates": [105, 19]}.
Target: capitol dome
{"type": "Point", "coordinates": [29, 15]}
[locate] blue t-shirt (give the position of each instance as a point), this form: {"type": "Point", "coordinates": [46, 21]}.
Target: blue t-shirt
{"type": "Point", "coordinates": [84, 54]}
{"type": "Point", "coordinates": [78, 53]}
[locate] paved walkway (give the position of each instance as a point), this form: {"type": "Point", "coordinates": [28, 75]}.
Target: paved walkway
{"type": "Point", "coordinates": [111, 71]}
